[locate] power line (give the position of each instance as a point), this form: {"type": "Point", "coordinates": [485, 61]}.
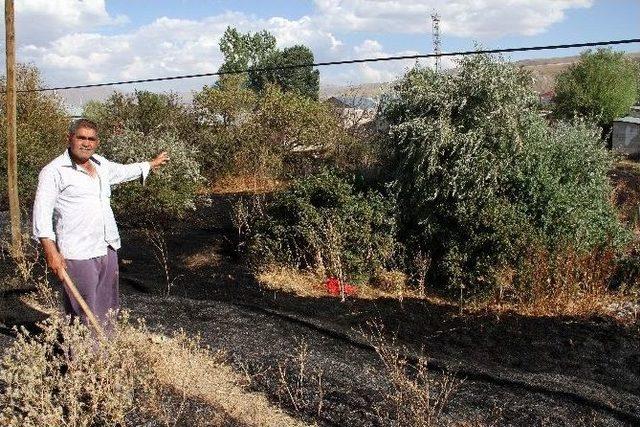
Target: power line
{"type": "Point", "coordinates": [349, 61]}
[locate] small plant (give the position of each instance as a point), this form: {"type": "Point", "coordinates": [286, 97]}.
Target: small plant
{"type": "Point", "coordinates": [567, 282]}
{"type": "Point", "coordinates": [158, 241]}
{"type": "Point", "coordinates": [23, 272]}
{"type": "Point", "coordinates": [417, 396]}
{"type": "Point", "coordinates": [64, 377]}
{"type": "Point", "coordinates": [421, 265]}
{"type": "Point", "coordinates": [299, 385]}
{"type": "Point", "coordinates": [244, 213]}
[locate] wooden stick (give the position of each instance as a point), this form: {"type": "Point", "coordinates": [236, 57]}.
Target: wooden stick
{"type": "Point", "coordinates": [83, 304]}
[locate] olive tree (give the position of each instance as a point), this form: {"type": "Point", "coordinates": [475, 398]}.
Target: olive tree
{"type": "Point", "coordinates": [480, 177]}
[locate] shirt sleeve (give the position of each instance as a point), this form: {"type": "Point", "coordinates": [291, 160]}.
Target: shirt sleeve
{"type": "Point", "coordinates": [119, 173]}
{"type": "Point", "coordinates": [45, 200]}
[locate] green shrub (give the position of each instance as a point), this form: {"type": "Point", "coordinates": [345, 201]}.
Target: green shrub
{"type": "Point", "coordinates": [170, 191]}
{"type": "Point", "coordinates": [147, 112]}
{"type": "Point", "coordinates": [321, 222]}
{"type": "Point", "coordinates": [480, 177]}
{"type": "Point", "coordinates": [561, 186]}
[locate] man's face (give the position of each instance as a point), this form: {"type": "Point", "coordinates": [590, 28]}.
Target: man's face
{"type": "Point", "coordinates": [83, 144]}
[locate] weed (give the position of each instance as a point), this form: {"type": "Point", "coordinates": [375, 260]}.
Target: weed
{"type": "Point", "coordinates": [300, 386]}
{"type": "Point", "coordinates": [417, 397]}
{"type": "Point", "coordinates": [155, 235]}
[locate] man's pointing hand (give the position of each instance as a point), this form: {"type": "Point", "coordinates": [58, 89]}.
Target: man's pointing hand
{"type": "Point", "coordinates": [159, 160]}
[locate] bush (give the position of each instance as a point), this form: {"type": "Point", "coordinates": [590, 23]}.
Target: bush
{"type": "Point", "coordinates": [269, 135]}
{"type": "Point", "coordinates": [169, 191]}
{"type": "Point", "coordinates": [48, 383]}
{"type": "Point", "coordinates": [480, 177]}
{"type": "Point", "coordinates": [147, 112]}
{"type": "Point", "coordinates": [562, 188]}
{"type": "Point", "coordinates": [321, 222]}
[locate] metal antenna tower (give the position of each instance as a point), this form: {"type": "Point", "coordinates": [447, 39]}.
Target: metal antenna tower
{"type": "Point", "coordinates": [435, 35]}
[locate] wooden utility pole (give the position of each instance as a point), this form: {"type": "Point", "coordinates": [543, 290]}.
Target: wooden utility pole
{"type": "Point", "coordinates": [12, 162]}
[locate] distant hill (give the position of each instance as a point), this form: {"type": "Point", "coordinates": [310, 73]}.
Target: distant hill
{"type": "Point", "coordinates": [544, 71]}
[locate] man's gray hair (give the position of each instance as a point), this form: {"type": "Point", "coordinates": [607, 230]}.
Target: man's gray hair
{"type": "Point", "coordinates": [82, 123]}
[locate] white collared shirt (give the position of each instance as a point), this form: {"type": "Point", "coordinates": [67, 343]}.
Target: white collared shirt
{"type": "Point", "coordinates": [73, 208]}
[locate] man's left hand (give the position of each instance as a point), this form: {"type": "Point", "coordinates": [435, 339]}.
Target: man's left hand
{"type": "Point", "coordinates": [159, 160]}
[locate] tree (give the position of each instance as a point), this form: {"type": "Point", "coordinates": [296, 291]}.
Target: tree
{"type": "Point", "coordinates": [603, 85]}
{"type": "Point", "coordinates": [242, 51]}
{"type": "Point", "coordinates": [481, 178]}
{"type": "Point", "coordinates": [263, 135]}
{"type": "Point", "coordinates": [42, 129]}
{"type": "Point", "coordinates": [304, 80]}
{"type": "Point", "coordinates": [147, 112]}
{"type": "Point", "coordinates": [258, 50]}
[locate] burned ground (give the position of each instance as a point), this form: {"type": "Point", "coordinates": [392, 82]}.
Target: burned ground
{"type": "Point", "coordinates": [509, 369]}
{"type": "Point", "coordinates": [516, 370]}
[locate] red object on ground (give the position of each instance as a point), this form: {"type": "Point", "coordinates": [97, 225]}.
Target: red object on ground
{"type": "Point", "coordinates": [333, 287]}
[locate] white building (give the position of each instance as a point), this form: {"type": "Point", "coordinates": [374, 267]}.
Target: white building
{"type": "Point", "coordinates": [626, 134]}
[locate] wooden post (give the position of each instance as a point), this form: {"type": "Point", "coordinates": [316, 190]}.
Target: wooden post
{"type": "Point", "coordinates": [12, 162]}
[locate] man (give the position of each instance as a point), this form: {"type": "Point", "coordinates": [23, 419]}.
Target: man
{"type": "Point", "coordinates": [73, 220]}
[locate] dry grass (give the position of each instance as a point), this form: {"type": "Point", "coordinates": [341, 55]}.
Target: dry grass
{"type": "Point", "coordinates": [561, 302]}
{"type": "Point", "coordinates": [290, 280]}
{"type": "Point", "coordinates": [312, 285]}
{"type": "Point", "coordinates": [245, 184]}
{"type": "Point", "coordinates": [64, 377]}
{"type": "Point", "coordinates": [625, 196]}
{"type": "Point", "coordinates": [207, 258]}
{"type": "Point", "coordinates": [566, 283]}
{"type": "Point", "coordinates": [197, 373]}
{"type": "Point", "coordinates": [296, 381]}
{"type": "Point", "coordinates": [572, 285]}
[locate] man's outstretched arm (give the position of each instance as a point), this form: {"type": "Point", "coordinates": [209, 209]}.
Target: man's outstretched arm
{"type": "Point", "coordinates": [119, 173]}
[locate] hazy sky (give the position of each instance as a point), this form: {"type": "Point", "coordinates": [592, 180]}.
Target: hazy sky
{"type": "Point", "coordinates": [91, 41]}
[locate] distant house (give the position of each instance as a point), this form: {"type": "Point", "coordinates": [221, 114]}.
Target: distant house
{"type": "Point", "coordinates": [626, 134]}
{"type": "Point", "coordinates": [547, 98]}
{"type": "Point", "coordinates": [336, 102]}
{"type": "Point", "coordinates": [354, 110]}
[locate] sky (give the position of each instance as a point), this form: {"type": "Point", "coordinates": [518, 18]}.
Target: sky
{"type": "Point", "coordinates": [92, 41]}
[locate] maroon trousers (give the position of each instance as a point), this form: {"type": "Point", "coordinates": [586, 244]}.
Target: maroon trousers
{"type": "Point", "coordinates": [97, 282]}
